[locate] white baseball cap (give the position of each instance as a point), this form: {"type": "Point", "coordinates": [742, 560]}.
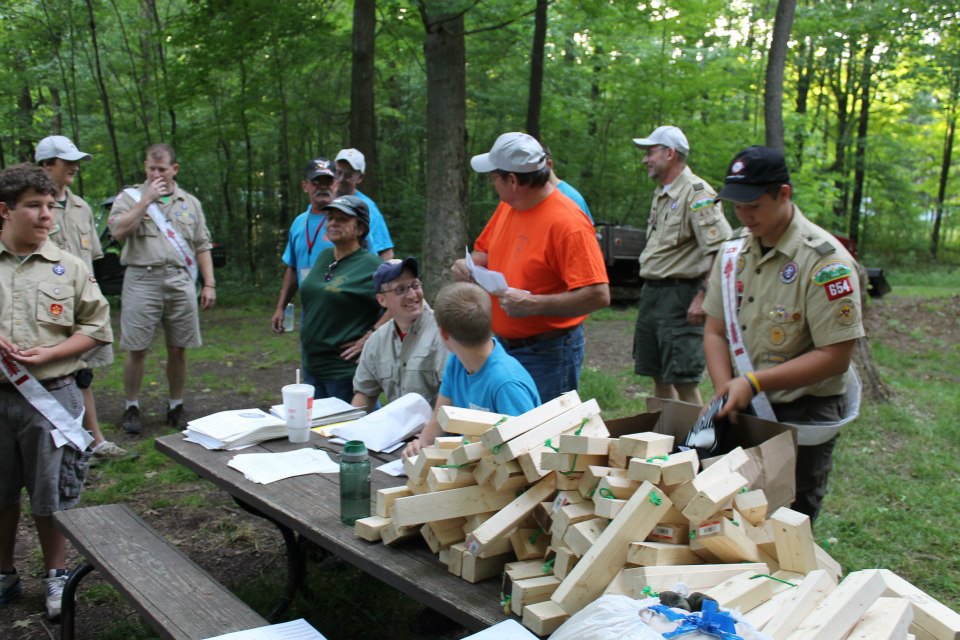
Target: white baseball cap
{"type": "Point", "coordinates": [59, 147]}
{"type": "Point", "coordinates": [354, 158]}
{"type": "Point", "coordinates": [515, 152]}
{"type": "Point", "coordinates": [671, 137]}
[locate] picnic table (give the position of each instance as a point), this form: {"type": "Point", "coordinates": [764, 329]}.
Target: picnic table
{"type": "Point", "coordinates": [307, 508]}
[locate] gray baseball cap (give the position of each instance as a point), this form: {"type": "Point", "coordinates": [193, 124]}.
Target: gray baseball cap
{"type": "Point", "coordinates": [515, 152]}
{"type": "Point", "coordinates": [667, 136]}
{"type": "Point", "coordinates": [59, 147]}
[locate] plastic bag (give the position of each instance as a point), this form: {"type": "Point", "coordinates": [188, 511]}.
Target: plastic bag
{"type": "Point", "coordinates": [611, 617]}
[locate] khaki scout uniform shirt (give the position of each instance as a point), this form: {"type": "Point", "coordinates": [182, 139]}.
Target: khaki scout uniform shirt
{"type": "Point", "coordinates": [74, 230]}
{"type": "Point", "coordinates": [803, 294]}
{"type": "Point", "coordinates": [147, 247]}
{"type": "Point", "coordinates": [684, 230]}
{"type": "Point", "coordinates": [398, 367]}
{"type": "Point", "coordinates": [46, 299]}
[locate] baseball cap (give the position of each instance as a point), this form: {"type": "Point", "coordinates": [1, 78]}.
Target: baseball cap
{"type": "Point", "coordinates": [391, 270]}
{"type": "Point", "coordinates": [666, 136]}
{"type": "Point", "coordinates": [352, 206]}
{"type": "Point", "coordinates": [59, 147]}
{"type": "Point", "coordinates": [752, 172]}
{"type": "Point", "coordinates": [319, 167]}
{"type": "Point", "coordinates": [516, 152]}
{"type": "Point", "coordinates": [354, 158]}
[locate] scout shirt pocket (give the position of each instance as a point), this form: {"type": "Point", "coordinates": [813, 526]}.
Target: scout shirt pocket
{"type": "Point", "coordinates": [783, 332]}
{"type": "Point", "coordinates": [54, 305]}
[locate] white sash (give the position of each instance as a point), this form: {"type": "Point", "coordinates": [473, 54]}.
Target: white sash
{"type": "Point", "coordinates": [728, 271]}
{"type": "Point", "coordinates": [808, 433]}
{"type": "Point", "coordinates": [169, 232]}
{"type": "Point", "coordinates": [66, 428]}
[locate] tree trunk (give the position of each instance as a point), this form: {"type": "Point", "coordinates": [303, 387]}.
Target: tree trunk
{"type": "Point", "coordinates": [535, 95]}
{"type": "Point", "coordinates": [168, 97]}
{"type": "Point", "coordinates": [945, 163]}
{"type": "Point", "coordinates": [804, 77]}
{"type": "Point", "coordinates": [363, 120]}
{"type": "Point", "coordinates": [777, 59]}
{"type": "Point", "coordinates": [284, 179]}
{"type": "Point", "coordinates": [252, 254]}
{"type": "Point", "coordinates": [445, 231]}
{"type": "Point", "coordinates": [104, 98]}
{"type": "Point", "coordinates": [861, 148]}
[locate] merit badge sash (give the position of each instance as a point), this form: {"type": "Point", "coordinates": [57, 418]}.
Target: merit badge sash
{"type": "Point", "coordinates": [66, 428]}
{"type": "Point", "coordinates": [170, 233]}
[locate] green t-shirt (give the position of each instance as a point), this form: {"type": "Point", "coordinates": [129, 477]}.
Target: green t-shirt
{"type": "Point", "coordinates": [336, 311]}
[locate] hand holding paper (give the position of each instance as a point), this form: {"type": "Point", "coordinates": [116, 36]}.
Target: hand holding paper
{"type": "Point", "coordinates": [491, 281]}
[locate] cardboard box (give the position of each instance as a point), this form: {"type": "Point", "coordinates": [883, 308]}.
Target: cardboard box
{"type": "Point", "coordinates": [771, 446]}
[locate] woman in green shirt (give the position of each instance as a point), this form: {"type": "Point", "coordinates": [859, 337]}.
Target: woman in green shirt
{"type": "Point", "coordinates": [340, 305]}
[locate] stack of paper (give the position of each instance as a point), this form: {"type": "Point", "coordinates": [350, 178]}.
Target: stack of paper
{"type": "Point", "coordinates": [296, 630]}
{"type": "Point", "coordinates": [265, 468]}
{"type": "Point", "coordinates": [325, 411]}
{"type": "Point", "coordinates": [385, 428]}
{"type": "Point", "coordinates": [235, 429]}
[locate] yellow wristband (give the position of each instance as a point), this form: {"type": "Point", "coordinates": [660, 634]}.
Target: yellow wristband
{"type": "Point", "coordinates": [754, 383]}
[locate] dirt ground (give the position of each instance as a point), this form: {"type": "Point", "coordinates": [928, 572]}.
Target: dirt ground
{"type": "Point", "coordinates": [233, 545]}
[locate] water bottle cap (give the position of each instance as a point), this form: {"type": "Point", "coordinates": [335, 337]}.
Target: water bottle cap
{"type": "Point", "coordinates": [354, 451]}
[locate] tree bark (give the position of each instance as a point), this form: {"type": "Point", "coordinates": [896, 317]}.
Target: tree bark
{"type": "Point", "coordinates": [945, 164]}
{"type": "Point", "coordinates": [535, 95]}
{"type": "Point", "coordinates": [860, 153]}
{"type": "Point", "coordinates": [445, 231]}
{"type": "Point", "coordinates": [776, 61]}
{"type": "Point", "coordinates": [104, 97]}
{"type": "Point", "coordinates": [363, 120]}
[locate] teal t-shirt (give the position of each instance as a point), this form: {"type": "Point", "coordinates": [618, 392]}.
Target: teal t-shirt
{"type": "Point", "coordinates": [501, 385]}
{"type": "Point", "coordinates": [336, 311]}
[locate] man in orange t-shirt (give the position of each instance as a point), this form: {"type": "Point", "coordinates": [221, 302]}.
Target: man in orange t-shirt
{"type": "Point", "coordinates": [548, 253]}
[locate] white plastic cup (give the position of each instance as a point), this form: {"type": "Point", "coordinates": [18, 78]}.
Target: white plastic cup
{"type": "Point", "coordinates": [298, 403]}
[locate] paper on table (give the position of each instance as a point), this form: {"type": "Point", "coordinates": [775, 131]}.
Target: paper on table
{"type": "Point", "coordinates": [265, 468]}
{"type": "Point", "coordinates": [506, 630]}
{"type": "Point", "coordinates": [491, 281]}
{"type": "Point", "coordinates": [393, 468]}
{"type": "Point", "coordinates": [296, 630]}
{"type": "Point", "coordinates": [389, 425]}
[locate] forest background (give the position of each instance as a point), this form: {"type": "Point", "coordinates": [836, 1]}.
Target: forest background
{"type": "Point", "coordinates": [248, 91]}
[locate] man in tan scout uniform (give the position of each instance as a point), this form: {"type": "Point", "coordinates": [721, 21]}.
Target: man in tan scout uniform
{"type": "Point", "coordinates": [158, 286]}
{"type": "Point", "coordinates": [74, 231]}
{"type": "Point", "coordinates": [684, 232]}
{"type": "Point", "coordinates": [797, 299]}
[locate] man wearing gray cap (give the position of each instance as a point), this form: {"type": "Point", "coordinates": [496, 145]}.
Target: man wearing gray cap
{"type": "Point", "coordinates": [547, 250]}
{"type": "Point", "coordinates": [684, 232]}
{"type": "Point", "coordinates": [351, 167]}
{"type": "Point", "coordinates": [75, 231]}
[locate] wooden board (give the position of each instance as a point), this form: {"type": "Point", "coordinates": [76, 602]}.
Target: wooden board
{"type": "Point", "coordinates": [837, 615]}
{"type": "Point", "coordinates": [886, 619]}
{"type": "Point", "coordinates": [453, 503]}
{"type": "Point", "coordinates": [538, 436]}
{"type": "Point", "coordinates": [517, 425]}
{"type": "Point", "coordinates": [929, 614]}
{"type": "Point", "coordinates": [471, 422]}
{"type": "Point", "coordinates": [793, 537]}
{"type": "Point", "coordinates": [510, 515]}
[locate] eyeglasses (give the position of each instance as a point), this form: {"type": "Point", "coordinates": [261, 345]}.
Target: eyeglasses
{"type": "Point", "coordinates": [330, 269]}
{"type": "Point", "coordinates": [401, 289]}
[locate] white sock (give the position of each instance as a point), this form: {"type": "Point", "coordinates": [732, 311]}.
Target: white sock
{"type": "Point", "coordinates": [175, 403]}
{"type": "Point", "coordinates": [132, 403]}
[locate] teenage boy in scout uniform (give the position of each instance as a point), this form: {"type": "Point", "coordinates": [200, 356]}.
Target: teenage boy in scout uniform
{"type": "Point", "coordinates": [684, 233]}
{"type": "Point", "coordinates": [52, 313]}
{"type": "Point", "coordinates": [159, 282]}
{"type": "Point", "coordinates": [75, 231]}
{"type": "Point", "coordinates": [796, 295]}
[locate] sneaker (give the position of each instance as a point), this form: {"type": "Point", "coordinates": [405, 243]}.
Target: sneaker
{"type": "Point", "coordinates": [177, 417]}
{"type": "Point", "coordinates": [55, 581]}
{"type": "Point", "coordinates": [131, 420]}
{"type": "Point", "coordinates": [10, 586]}
{"type": "Point", "coordinates": [107, 449]}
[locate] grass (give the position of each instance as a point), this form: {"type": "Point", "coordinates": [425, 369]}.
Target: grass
{"type": "Point", "coordinates": [893, 499]}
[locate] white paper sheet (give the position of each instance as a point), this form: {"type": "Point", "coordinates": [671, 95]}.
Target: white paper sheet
{"type": "Point", "coordinates": [491, 281]}
{"type": "Point", "coordinates": [385, 428]}
{"type": "Point", "coordinates": [264, 468]}
{"type": "Point", "coordinates": [296, 630]}
{"type": "Point", "coordinates": [506, 630]}
{"type": "Point", "coordinates": [394, 468]}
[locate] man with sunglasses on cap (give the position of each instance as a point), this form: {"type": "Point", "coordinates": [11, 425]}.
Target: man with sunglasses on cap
{"type": "Point", "coordinates": [351, 167]}
{"type": "Point", "coordinates": [783, 316]}
{"type": "Point", "coordinates": [406, 354]}
{"type": "Point", "coordinates": [684, 232]}
{"type": "Point", "coordinates": [548, 252]}
{"type": "Point", "coordinates": [307, 237]}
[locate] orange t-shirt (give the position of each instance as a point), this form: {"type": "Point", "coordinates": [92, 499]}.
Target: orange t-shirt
{"type": "Point", "coordinates": [551, 248]}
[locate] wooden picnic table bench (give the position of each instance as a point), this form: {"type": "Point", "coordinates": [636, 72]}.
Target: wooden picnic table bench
{"type": "Point", "coordinates": [178, 598]}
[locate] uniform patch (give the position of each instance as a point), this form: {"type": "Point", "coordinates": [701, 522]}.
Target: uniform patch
{"type": "Point", "coordinates": [777, 336]}
{"type": "Point", "coordinates": [777, 358]}
{"type": "Point", "coordinates": [58, 269]}
{"type": "Point", "coordinates": [183, 206]}
{"type": "Point", "coordinates": [739, 286]}
{"type": "Point", "coordinates": [789, 273]}
{"type": "Point", "coordinates": [830, 271]}
{"type": "Point", "coordinates": [674, 205]}
{"type": "Point", "coordinates": [838, 288]}
{"type": "Point", "coordinates": [845, 313]}
{"type": "Point", "coordinates": [91, 279]}
{"type": "Point", "coordinates": [741, 263]}
{"type": "Point", "coordinates": [780, 314]}
{"type": "Point", "coordinates": [712, 233]}
{"type": "Point", "coordinates": [56, 310]}
{"type": "Point", "coordinates": [700, 204]}
{"type": "Point", "coordinates": [85, 242]}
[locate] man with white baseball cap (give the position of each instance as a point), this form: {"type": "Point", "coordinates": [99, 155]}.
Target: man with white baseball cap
{"type": "Point", "coordinates": [548, 252]}
{"type": "Point", "coordinates": [685, 230]}
{"type": "Point", "coordinates": [75, 231]}
{"type": "Point", "coordinates": [351, 167]}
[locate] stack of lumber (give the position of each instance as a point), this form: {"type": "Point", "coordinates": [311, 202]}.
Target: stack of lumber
{"type": "Point", "coordinates": [565, 513]}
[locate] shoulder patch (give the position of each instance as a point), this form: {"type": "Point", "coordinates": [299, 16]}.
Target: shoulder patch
{"type": "Point", "coordinates": [701, 204]}
{"type": "Point", "coordinates": [829, 271]}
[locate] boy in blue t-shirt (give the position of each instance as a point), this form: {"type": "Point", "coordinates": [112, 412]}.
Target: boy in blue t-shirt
{"type": "Point", "coordinates": [479, 374]}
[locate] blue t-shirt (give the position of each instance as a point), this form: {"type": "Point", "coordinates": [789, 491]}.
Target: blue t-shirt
{"type": "Point", "coordinates": [574, 195]}
{"type": "Point", "coordinates": [299, 255]}
{"type": "Point", "coordinates": [501, 385]}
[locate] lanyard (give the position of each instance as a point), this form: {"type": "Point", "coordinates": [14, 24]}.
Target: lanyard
{"type": "Point", "coordinates": [312, 241]}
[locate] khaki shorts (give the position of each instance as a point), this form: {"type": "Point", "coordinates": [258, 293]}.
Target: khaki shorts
{"type": "Point", "coordinates": [28, 458]}
{"type": "Point", "coordinates": [665, 346]}
{"type": "Point", "coordinates": [153, 296]}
